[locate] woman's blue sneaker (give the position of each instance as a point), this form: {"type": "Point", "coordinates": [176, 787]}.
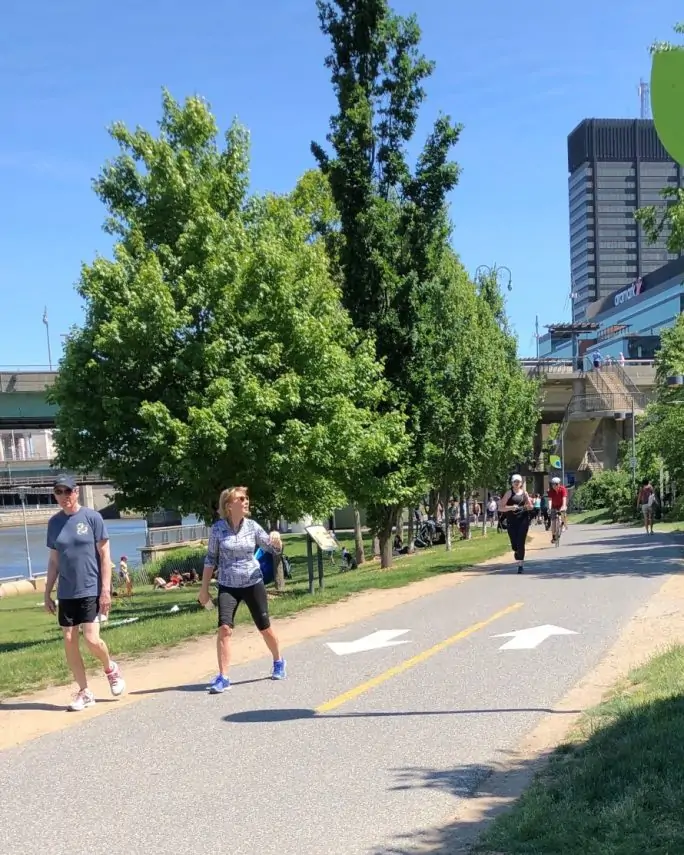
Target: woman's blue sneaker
{"type": "Point", "coordinates": [220, 684]}
{"type": "Point", "coordinates": [278, 670]}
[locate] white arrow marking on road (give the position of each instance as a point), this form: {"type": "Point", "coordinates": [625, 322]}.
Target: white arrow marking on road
{"type": "Point", "coordinates": [527, 639]}
{"type": "Point", "coordinates": [374, 641]}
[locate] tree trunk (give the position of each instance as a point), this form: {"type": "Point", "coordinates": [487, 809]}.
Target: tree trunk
{"type": "Point", "coordinates": [388, 518]}
{"type": "Point", "coordinates": [399, 523]}
{"type": "Point", "coordinates": [376, 547]}
{"type": "Point", "coordinates": [278, 568]}
{"type": "Point", "coordinates": [358, 538]}
{"type": "Point", "coordinates": [386, 550]}
{"type": "Point", "coordinates": [278, 572]}
{"type": "Point", "coordinates": [411, 533]}
{"type": "Point", "coordinates": [484, 504]}
{"type": "Point", "coordinates": [447, 521]}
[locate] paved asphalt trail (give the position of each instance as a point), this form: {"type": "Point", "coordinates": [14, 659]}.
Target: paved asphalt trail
{"type": "Point", "coordinates": [258, 771]}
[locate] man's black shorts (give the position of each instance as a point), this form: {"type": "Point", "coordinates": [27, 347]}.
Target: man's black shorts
{"type": "Point", "coordinates": [76, 612]}
{"type": "Point", "coordinates": [255, 598]}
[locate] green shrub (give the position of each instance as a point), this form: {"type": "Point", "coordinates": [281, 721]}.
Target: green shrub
{"type": "Point", "coordinates": [676, 512]}
{"type": "Point", "coordinates": [611, 489]}
{"type": "Point", "coordinates": [181, 560]}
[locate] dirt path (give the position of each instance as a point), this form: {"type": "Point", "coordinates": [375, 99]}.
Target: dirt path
{"type": "Point", "coordinates": [26, 717]}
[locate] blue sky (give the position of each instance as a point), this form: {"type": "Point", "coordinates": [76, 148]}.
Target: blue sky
{"type": "Point", "coordinates": [519, 77]}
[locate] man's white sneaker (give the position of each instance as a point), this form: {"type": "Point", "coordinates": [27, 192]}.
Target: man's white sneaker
{"type": "Point", "coordinates": [116, 681]}
{"type": "Point", "coordinates": [82, 699]}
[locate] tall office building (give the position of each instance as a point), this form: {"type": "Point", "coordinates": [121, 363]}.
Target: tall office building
{"type": "Point", "coordinates": [616, 166]}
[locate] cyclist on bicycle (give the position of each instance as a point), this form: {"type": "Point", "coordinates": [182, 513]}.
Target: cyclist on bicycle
{"type": "Point", "coordinates": [558, 505]}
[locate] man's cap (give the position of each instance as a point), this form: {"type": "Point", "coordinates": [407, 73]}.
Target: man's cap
{"type": "Point", "coordinates": [555, 480]}
{"type": "Point", "coordinates": [65, 481]}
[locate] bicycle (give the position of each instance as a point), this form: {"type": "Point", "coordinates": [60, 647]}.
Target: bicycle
{"type": "Point", "coordinates": [556, 526]}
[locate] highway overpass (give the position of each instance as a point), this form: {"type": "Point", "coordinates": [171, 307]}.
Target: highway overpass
{"type": "Point", "coordinates": [569, 395]}
{"type": "Point", "coordinates": [23, 402]}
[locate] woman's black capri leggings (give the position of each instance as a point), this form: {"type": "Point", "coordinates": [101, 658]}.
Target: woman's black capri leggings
{"type": "Point", "coordinates": [517, 527]}
{"type": "Point", "coordinates": [254, 597]}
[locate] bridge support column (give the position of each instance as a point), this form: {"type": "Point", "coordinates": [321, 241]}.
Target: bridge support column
{"type": "Point", "coordinates": [607, 441]}
{"type": "Point", "coordinates": [86, 495]}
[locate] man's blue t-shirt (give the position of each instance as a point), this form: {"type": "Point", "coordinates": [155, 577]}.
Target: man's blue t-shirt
{"type": "Point", "coordinates": [75, 537]}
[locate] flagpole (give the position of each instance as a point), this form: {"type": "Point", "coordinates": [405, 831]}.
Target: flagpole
{"type": "Point", "coordinates": [47, 333]}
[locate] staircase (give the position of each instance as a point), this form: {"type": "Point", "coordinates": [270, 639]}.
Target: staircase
{"type": "Point", "coordinates": [590, 462]}
{"type": "Point", "coordinates": [609, 392]}
{"type": "Point", "coordinates": [613, 384]}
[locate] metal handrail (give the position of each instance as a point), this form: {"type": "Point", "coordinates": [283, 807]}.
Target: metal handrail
{"type": "Point", "coordinates": [597, 403]}
{"type": "Point", "coordinates": [625, 379]}
{"type": "Point", "coordinates": [165, 535]}
{"type": "Point", "coordinates": [14, 478]}
{"type": "Point", "coordinates": [593, 459]}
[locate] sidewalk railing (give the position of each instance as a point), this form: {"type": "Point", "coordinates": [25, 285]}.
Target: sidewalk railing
{"type": "Point", "coordinates": [176, 534]}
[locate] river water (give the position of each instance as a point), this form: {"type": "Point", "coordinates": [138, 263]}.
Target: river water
{"type": "Point", "coordinates": [126, 536]}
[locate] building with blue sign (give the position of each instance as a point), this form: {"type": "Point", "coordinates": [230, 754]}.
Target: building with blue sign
{"type": "Point", "coordinates": [628, 321]}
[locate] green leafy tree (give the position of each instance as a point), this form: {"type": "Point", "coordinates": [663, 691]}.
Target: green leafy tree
{"type": "Point", "coordinates": [392, 217]}
{"type": "Point", "coordinates": [215, 350]}
{"type": "Point", "coordinates": [668, 218]}
{"type": "Point", "coordinates": [660, 438]}
{"type": "Point", "coordinates": [479, 410]}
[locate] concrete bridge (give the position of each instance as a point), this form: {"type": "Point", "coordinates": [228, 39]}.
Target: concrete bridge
{"type": "Point", "coordinates": [594, 408]}
{"type": "Point", "coordinates": [595, 411]}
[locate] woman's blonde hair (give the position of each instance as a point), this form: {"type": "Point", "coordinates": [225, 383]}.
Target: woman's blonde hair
{"type": "Point", "coordinates": [227, 497]}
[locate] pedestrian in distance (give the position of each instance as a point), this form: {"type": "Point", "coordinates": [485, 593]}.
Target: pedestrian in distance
{"type": "Point", "coordinates": [233, 541]}
{"type": "Point", "coordinates": [646, 501]}
{"type": "Point", "coordinates": [516, 504]}
{"type": "Point", "coordinates": [80, 564]}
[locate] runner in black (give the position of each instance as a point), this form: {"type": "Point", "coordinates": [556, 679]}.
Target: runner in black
{"type": "Point", "coordinates": [517, 505]}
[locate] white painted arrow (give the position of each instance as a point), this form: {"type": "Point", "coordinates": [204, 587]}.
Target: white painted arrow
{"type": "Point", "coordinates": [527, 639]}
{"type": "Point", "coordinates": [374, 641]}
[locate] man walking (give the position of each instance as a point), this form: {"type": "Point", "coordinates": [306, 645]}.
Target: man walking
{"type": "Point", "coordinates": [81, 565]}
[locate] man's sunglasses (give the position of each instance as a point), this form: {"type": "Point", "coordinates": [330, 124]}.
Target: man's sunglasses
{"type": "Point", "coordinates": [63, 491]}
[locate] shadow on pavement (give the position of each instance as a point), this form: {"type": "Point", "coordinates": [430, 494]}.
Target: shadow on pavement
{"type": "Point", "coordinates": [38, 706]}
{"type": "Point", "coordinates": [272, 716]}
{"type": "Point", "coordinates": [632, 555]}
{"type": "Point", "coordinates": [621, 790]}
{"type": "Point", "coordinates": [194, 687]}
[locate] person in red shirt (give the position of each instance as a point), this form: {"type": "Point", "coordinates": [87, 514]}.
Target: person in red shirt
{"type": "Point", "coordinates": [558, 501]}
{"type": "Point", "coordinates": [646, 499]}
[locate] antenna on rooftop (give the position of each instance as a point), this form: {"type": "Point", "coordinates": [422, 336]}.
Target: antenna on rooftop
{"type": "Point", "coordinates": [644, 91]}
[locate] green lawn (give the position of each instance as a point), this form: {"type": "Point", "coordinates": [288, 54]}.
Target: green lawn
{"type": "Point", "coordinates": [617, 788]}
{"type": "Point", "coordinates": [31, 655]}
{"type": "Point", "coordinates": [602, 517]}
{"type": "Point", "coordinates": [598, 517]}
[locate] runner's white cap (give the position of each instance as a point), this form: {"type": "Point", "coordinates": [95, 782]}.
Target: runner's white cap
{"type": "Point", "coordinates": [516, 478]}
{"type": "Point", "coordinates": [555, 480]}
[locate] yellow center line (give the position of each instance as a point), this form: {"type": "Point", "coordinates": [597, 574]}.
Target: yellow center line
{"type": "Point", "coordinates": [415, 660]}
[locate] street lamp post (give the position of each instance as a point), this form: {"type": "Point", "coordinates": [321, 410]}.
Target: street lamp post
{"type": "Point", "coordinates": [22, 495]}
{"type": "Point", "coordinates": [47, 336]}
{"type": "Point", "coordinates": [486, 270]}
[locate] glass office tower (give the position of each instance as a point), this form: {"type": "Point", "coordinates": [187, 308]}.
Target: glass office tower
{"type": "Point", "coordinates": [616, 166]}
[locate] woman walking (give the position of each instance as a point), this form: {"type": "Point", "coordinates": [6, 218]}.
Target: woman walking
{"type": "Point", "coordinates": [646, 500]}
{"type": "Point", "coordinates": [233, 541]}
{"type": "Point", "coordinates": [516, 504]}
